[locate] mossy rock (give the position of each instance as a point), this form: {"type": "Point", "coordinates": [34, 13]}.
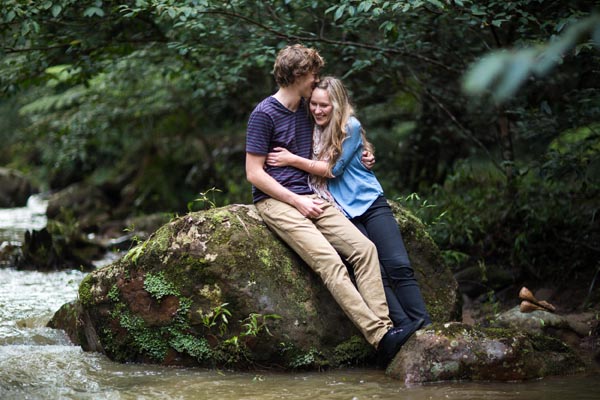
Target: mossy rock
{"type": "Point", "coordinates": [217, 288]}
{"type": "Point", "coordinates": [457, 352]}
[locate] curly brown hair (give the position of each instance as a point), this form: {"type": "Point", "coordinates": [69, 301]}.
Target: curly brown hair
{"type": "Point", "coordinates": [295, 61]}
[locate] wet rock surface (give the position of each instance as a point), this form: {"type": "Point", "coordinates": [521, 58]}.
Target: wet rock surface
{"type": "Point", "coordinates": [218, 288]}
{"type": "Point", "coordinates": [457, 351]}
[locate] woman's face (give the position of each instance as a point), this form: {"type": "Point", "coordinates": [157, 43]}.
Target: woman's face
{"type": "Point", "coordinates": [320, 106]}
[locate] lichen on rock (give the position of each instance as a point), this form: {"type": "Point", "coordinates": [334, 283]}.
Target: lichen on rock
{"type": "Point", "coordinates": [456, 351]}
{"type": "Point", "coordinates": [217, 288]}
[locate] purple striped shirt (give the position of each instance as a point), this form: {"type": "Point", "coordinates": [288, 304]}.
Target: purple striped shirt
{"type": "Point", "coordinates": [272, 125]}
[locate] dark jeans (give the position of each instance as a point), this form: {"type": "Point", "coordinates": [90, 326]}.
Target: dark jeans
{"type": "Point", "coordinates": [401, 289]}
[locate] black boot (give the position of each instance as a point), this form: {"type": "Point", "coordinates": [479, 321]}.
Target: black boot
{"type": "Point", "coordinates": [394, 339]}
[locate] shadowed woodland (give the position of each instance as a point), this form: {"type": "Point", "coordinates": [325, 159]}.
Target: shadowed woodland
{"type": "Point", "coordinates": [485, 116]}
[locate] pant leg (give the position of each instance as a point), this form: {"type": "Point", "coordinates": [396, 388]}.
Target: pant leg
{"type": "Point", "coordinates": [397, 314]}
{"type": "Point", "coordinates": [382, 229]}
{"type": "Point", "coordinates": [360, 253]}
{"type": "Point", "coordinates": [303, 236]}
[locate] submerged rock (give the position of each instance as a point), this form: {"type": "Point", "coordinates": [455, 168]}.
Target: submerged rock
{"type": "Point", "coordinates": [217, 288]}
{"type": "Point", "coordinates": [456, 351]}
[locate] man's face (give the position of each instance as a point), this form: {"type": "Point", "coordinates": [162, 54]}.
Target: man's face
{"type": "Point", "coordinates": [307, 83]}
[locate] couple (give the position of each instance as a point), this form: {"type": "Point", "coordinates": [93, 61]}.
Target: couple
{"type": "Point", "coordinates": [318, 214]}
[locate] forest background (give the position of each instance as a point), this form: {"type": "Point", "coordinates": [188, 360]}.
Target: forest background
{"type": "Point", "coordinates": [485, 115]}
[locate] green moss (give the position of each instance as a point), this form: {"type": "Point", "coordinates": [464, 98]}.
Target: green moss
{"type": "Point", "coordinates": [311, 359]}
{"type": "Point", "coordinates": [218, 217]}
{"type": "Point", "coordinates": [85, 290]}
{"type": "Point", "coordinates": [158, 286]}
{"type": "Point", "coordinates": [499, 333]}
{"type": "Point", "coordinates": [161, 239]}
{"type": "Point", "coordinates": [213, 294]}
{"type": "Point", "coordinates": [142, 340]}
{"type": "Point", "coordinates": [113, 293]}
{"type": "Point", "coordinates": [545, 343]}
{"type": "Point", "coordinates": [195, 347]}
{"type": "Point", "coordinates": [134, 254]}
{"type": "Point", "coordinates": [354, 351]}
{"type": "Point", "coordinates": [147, 341]}
{"type": "Point", "coordinates": [264, 255]}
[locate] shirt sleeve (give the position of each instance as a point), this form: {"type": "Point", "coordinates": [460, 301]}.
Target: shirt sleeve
{"type": "Point", "coordinates": [259, 133]}
{"type": "Point", "coordinates": [349, 147]}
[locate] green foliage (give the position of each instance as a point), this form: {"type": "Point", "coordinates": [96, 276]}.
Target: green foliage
{"type": "Point", "coordinates": [147, 341]}
{"type": "Point", "coordinates": [504, 72]}
{"type": "Point", "coordinates": [552, 216]}
{"type": "Point", "coordinates": [158, 286]}
{"type": "Point", "coordinates": [354, 351]}
{"type": "Point", "coordinates": [113, 293]}
{"type": "Point", "coordinates": [219, 315]}
{"type": "Point", "coordinates": [135, 253]}
{"type": "Point", "coordinates": [255, 323]}
{"type": "Point", "coordinates": [312, 359]}
{"type": "Point", "coordinates": [198, 348]}
{"type": "Point", "coordinates": [149, 100]}
{"type": "Point", "coordinates": [203, 200]}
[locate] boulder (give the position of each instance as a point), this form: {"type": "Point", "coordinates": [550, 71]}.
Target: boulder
{"type": "Point", "coordinates": [456, 351]}
{"type": "Point", "coordinates": [15, 188]}
{"type": "Point", "coordinates": [80, 204]}
{"type": "Point", "coordinates": [217, 288]}
{"type": "Point", "coordinates": [579, 329]}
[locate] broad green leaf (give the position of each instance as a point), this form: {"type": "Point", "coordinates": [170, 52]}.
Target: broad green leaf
{"type": "Point", "coordinates": [340, 11]}
{"type": "Point", "coordinates": [56, 9]}
{"type": "Point", "coordinates": [436, 3]}
{"type": "Point", "coordinates": [93, 11]}
{"type": "Point", "coordinates": [330, 9]}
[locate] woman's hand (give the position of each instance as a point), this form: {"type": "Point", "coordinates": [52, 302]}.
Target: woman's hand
{"type": "Point", "coordinates": [280, 157]}
{"type": "Point", "coordinates": [368, 159]}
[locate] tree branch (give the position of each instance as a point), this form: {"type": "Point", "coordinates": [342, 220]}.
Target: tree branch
{"type": "Point", "coordinates": [321, 39]}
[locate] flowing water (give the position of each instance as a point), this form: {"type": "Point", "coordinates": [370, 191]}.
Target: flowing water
{"type": "Point", "coordinates": [40, 363]}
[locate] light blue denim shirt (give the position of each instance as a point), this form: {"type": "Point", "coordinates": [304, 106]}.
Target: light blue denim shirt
{"type": "Point", "coordinates": [354, 187]}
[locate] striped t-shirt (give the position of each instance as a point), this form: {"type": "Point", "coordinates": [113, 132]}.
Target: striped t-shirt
{"type": "Point", "coordinates": [272, 125]}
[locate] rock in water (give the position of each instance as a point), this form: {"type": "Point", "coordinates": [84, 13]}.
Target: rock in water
{"type": "Point", "coordinates": [456, 351]}
{"type": "Point", "coordinates": [217, 288]}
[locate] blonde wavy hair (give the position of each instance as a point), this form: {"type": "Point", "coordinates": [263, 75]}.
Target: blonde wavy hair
{"type": "Point", "coordinates": [334, 134]}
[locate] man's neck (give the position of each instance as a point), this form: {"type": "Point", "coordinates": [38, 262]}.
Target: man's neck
{"type": "Point", "coordinates": [289, 97]}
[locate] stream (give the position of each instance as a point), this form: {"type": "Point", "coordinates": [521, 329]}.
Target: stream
{"type": "Point", "coordinates": [41, 363]}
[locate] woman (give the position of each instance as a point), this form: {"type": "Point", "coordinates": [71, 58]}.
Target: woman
{"type": "Point", "coordinates": [339, 176]}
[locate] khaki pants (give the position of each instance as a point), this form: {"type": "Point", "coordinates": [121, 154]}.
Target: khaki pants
{"type": "Point", "coordinates": [318, 241]}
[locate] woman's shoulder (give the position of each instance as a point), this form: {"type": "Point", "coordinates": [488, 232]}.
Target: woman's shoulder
{"type": "Point", "coordinates": [353, 124]}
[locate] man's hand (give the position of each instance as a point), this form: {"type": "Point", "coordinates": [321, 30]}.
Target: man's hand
{"type": "Point", "coordinates": [309, 207]}
{"type": "Point", "coordinates": [368, 159]}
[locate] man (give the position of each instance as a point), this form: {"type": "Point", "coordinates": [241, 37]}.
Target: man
{"type": "Point", "coordinates": [315, 229]}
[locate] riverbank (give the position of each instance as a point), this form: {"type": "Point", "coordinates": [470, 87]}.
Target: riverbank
{"type": "Point", "coordinates": [40, 363]}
